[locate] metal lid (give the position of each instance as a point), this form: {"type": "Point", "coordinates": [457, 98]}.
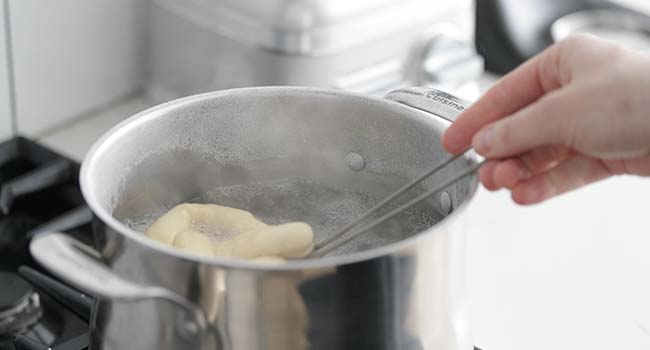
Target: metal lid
{"type": "Point", "coordinates": [310, 27]}
{"type": "Point", "coordinates": [623, 26]}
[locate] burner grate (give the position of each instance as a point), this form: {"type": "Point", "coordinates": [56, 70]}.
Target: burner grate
{"type": "Point", "coordinates": [75, 301]}
{"type": "Point", "coordinates": [43, 177]}
{"type": "Point", "coordinates": [39, 192]}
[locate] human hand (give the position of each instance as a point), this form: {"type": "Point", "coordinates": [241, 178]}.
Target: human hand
{"type": "Point", "coordinates": [576, 113]}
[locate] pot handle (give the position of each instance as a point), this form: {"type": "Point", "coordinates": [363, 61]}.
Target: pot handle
{"type": "Point", "coordinates": [436, 102]}
{"type": "Point", "coordinates": [81, 266]}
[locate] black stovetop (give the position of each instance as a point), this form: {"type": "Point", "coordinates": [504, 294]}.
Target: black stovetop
{"type": "Point", "coordinates": [39, 192]}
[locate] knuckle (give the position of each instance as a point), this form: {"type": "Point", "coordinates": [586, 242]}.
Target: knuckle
{"type": "Point", "coordinates": [567, 52]}
{"type": "Point", "coordinates": [589, 48]}
{"type": "Point", "coordinates": [568, 136]}
{"type": "Point", "coordinates": [554, 121]}
{"type": "Point", "coordinates": [503, 134]}
{"type": "Point", "coordinates": [539, 156]}
{"type": "Point", "coordinates": [578, 41]}
{"type": "Point", "coordinates": [579, 53]}
{"type": "Point", "coordinates": [558, 153]}
{"type": "Point", "coordinates": [549, 71]}
{"type": "Point", "coordinates": [528, 161]}
{"type": "Point", "coordinates": [555, 181]}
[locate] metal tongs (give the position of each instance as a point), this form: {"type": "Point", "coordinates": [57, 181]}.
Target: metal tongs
{"type": "Point", "coordinates": [340, 238]}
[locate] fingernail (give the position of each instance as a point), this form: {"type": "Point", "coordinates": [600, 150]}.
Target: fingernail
{"type": "Point", "coordinates": [533, 195]}
{"type": "Point", "coordinates": [538, 193]}
{"type": "Point", "coordinates": [483, 140]}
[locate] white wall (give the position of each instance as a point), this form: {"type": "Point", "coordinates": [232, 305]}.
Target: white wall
{"type": "Point", "coordinates": [5, 117]}
{"type": "Point", "coordinates": [73, 57]}
{"type": "Point", "coordinates": [641, 5]}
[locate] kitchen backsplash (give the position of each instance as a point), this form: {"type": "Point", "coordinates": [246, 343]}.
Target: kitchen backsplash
{"type": "Point", "coordinates": [72, 57]}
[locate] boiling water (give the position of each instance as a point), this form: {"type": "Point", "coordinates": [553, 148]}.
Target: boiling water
{"type": "Point", "coordinates": [324, 208]}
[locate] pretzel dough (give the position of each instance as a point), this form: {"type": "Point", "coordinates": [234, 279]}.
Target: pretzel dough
{"type": "Point", "coordinates": [193, 242]}
{"type": "Point", "coordinates": [183, 216]}
{"type": "Point", "coordinates": [250, 237]}
{"type": "Point", "coordinates": [292, 240]}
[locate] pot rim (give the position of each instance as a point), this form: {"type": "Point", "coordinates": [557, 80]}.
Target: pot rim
{"type": "Point", "coordinates": [104, 142]}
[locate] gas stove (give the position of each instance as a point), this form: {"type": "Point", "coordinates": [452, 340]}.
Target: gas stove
{"type": "Point", "coordinates": [39, 192]}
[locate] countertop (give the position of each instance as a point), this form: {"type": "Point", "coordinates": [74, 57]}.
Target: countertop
{"type": "Point", "coordinates": [571, 273]}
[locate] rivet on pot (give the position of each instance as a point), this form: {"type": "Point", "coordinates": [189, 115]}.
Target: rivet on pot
{"type": "Point", "coordinates": [445, 203]}
{"type": "Point", "coordinates": [355, 161]}
{"type": "Point", "coordinates": [189, 330]}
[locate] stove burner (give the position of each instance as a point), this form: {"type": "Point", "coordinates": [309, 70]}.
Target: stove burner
{"type": "Point", "coordinates": [39, 192]}
{"type": "Point", "coordinates": [20, 306]}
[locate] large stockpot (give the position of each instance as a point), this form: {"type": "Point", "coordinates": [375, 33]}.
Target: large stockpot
{"type": "Point", "coordinates": [403, 293]}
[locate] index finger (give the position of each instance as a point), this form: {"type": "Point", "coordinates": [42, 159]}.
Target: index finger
{"type": "Point", "coordinates": [514, 91]}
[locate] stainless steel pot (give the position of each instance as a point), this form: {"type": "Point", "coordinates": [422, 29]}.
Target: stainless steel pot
{"type": "Point", "coordinates": [403, 292]}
